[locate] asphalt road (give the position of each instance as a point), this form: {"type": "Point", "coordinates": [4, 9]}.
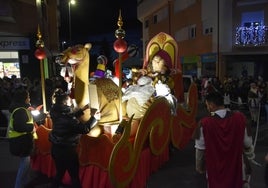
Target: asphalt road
{"type": "Point", "coordinates": [179, 171]}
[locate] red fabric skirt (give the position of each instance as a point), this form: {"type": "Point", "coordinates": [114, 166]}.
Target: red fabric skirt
{"type": "Point", "coordinates": [96, 177]}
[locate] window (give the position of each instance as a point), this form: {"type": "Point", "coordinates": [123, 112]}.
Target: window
{"type": "Point", "coordinates": [208, 31]}
{"type": "Point", "coordinates": [155, 19]}
{"type": "Point", "coordinates": [254, 19]}
{"type": "Point", "coordinates": [251, 24]}
{"type": "Point", "coordinates": [207, 26]}
{"type": "Point", "coordinates": [251, 36]}
{"type": "Point", "coordinates": [211, 30]}
{"type": "Point", "coordinates": [252, 31]}
{"type": "Point", "coordinates": [6, 11]}
{"type": "Point", "coordinates": [192, 32]}
{"type": "Point", "coordinates": [146, 25]}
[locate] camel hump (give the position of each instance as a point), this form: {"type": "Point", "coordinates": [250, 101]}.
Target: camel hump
{"type": "Point", "coordinates": [108, 88]}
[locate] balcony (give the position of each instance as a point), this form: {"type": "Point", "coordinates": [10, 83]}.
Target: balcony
{"type": "Point", "coordinates": [251, 36]}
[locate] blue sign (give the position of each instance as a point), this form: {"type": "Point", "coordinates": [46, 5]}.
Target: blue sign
{"type": "Point", "coordinates": [209, 58]}
{"type": "Point", "coordinates": [14, 43]}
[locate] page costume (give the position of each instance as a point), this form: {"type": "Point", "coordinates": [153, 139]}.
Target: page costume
{"type": "Point", "coordinates": [223, 136]}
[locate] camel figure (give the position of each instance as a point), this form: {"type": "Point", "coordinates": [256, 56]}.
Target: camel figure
{"type": "Point", "coordinates": [107, 91]}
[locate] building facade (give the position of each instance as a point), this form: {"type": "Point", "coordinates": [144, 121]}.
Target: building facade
{"type": "Point", "coordinates": [19, 23]}
{"type": "Point", "coordinates": [215, 37]}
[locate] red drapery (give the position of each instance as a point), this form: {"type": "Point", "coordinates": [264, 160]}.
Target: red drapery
{"type": "Point", "coordinates": [95, 177]}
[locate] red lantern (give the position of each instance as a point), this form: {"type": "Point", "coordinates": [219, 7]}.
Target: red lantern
{"type": "Point", "coordinates": [40, 53]}
{"type": "Point", "coordinates": [120, 45]}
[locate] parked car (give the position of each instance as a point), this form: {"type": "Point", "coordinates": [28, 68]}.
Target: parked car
{"type": "Point", "coordinates": [187, 81]}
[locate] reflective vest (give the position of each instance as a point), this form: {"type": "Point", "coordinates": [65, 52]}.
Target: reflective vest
{"type": "Point", "coordinates": [11, 132]}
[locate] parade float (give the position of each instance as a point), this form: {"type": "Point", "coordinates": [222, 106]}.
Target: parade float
{"type": "Point", "coordinates": [125, 159]}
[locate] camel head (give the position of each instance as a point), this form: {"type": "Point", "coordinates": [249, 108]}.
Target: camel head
{"type": "Point", "coordinates": [75, 54]}
{"type": "Point", "coordinates": [78, 59]}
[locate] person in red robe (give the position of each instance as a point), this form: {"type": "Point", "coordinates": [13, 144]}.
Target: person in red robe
{"type": "Point", "coordinates": [223, 145]}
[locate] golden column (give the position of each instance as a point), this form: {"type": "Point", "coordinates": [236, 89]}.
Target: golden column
{"type": "Point", "coordinates": [41, 55]}
{"type": "Point", "coordinates": [120, 47]}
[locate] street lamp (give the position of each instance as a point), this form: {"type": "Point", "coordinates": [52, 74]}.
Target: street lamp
{"type": "Point", "coordinates": [62, 45]}
{"type": "Point", "coordinates": [70, 2]}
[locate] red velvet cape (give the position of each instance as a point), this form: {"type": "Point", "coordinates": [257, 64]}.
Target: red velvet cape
{"type": "Point", "coordinates": [224, 147]}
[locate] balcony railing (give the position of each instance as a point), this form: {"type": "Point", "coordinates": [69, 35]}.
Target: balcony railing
{"type": "Point", "coordinates": [251, 36]}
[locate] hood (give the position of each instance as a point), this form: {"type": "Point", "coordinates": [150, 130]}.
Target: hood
{"type": "Point", "coordinates": [13, 106]}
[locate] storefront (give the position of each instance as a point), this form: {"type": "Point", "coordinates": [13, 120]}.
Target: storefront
{"type": "Point", "coordinates": [189, 65]}
{"type": "Point", "coordinates": [17, 58]}
{"type": "Point", "coordinates": [204, 65]}
{"type": "Point", "coordinates": [208, 63]}
{"type": "Point", "coordinates": [238, 69]}
{"type": "Point", "coordinates": [10, 60]}
{"type": "Point", "coordinates": [252, 65]}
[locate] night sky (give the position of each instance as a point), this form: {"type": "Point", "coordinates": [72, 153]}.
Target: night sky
{"type": "Point", "coordinates": [95, 21]}
{"type": "Point", "coordinates": [94, 18]}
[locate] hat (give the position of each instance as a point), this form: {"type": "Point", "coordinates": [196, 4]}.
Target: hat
{"type": "Point", "coordinates": [166, 57]}
{"type": "Point", "coordinates": [101, 67]}
{"type": "Point", "coordinates": [102, 59]}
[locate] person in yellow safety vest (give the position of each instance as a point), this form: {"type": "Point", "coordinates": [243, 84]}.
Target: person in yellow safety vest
{"type": "Point", "coordinates": [21, 133]}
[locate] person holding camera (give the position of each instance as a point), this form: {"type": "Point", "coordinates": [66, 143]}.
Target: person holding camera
{"type": "Point", "coordinates": [65, 136]}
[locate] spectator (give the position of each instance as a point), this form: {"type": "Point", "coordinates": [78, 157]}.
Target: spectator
{"type": "Point", "coordinates": [254, 98]}
{"type": "Point", "coordinates": [21, 133]}
{"type": "Point", "coordinates": [265, 99]}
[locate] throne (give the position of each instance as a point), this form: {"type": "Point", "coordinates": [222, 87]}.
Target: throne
{"type": "Point", "coordinates": [163, 41]}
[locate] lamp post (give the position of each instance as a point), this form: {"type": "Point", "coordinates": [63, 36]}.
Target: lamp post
{"type": "Point", "coordinates": [70, 2]}
{"type": "Point", "coordinates": [63, 45]}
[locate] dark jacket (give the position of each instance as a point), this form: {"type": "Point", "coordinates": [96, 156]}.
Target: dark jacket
{"type": "Point", "coordinates": [21, 145]}
{"type": "Point", "coordinates": [253, 99]}
{"type": "Point", "coordinates": [66, 128]}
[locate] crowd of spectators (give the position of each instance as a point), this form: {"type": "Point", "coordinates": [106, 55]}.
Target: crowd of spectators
{"type": "Point", "coordinates": [234, 90]}
{"type": "Point", "coordinates": [8, 86]}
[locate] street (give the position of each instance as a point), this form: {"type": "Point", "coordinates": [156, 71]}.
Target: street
{"type": "Point", "coordinates": [179, 171]}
